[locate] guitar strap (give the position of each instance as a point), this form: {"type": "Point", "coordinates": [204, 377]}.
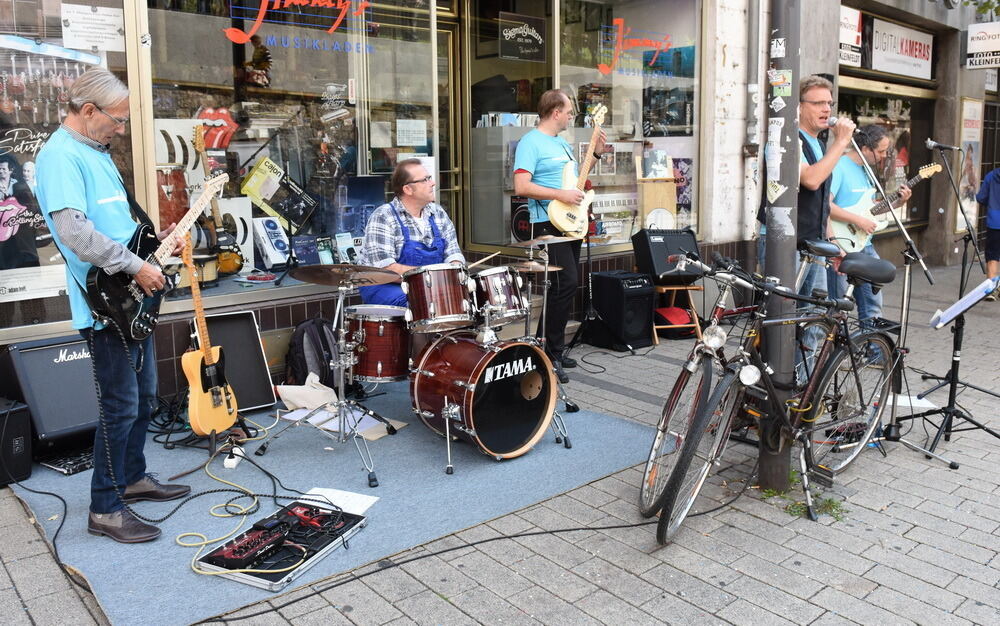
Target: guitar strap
{"type": "Point", "coordinates": [138, 214]}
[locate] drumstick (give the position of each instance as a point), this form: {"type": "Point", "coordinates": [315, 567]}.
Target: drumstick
{"type": "Point", "coordinates": [483, 260]}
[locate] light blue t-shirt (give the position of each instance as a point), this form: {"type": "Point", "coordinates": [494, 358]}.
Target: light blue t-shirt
{"type": "Point", "coordinates": [850, 183]}
{"type": "Point", "coordinates": [814, 143]}
{"type": "Point", "coordinates": [544, 156]}
{"type": "Point", "coordinates": [72, 175]}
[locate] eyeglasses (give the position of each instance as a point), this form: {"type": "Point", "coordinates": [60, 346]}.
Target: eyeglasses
{"type": "Point", "coordinates": [117, 121]}
{"type": "Point", "coordinates": [819, 103]}
{"type": "Point", "coordinates": [425, 179]}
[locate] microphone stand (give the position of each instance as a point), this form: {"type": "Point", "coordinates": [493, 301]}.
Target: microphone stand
{"type": "Point", "coordinates": [911, 255]}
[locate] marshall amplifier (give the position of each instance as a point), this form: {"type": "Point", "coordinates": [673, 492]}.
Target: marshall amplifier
{"type": "Point", "coordinates": [653, 246]}
{"type": "Point", "coordinates": [624, 301]}
{"type": "Point", "coordinates": [54, 378]}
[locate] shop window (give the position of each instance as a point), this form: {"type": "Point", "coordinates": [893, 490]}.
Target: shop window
{"type": "Point", "coordinates": [636, 60]}
{"type": "Point", "coordinates": [42, 52]}
{"type": "Point", "coordinates": [308, 111]}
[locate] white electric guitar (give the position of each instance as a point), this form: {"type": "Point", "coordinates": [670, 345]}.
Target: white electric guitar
{"type": "Point", "coordinates": [572, 219]}
{"type": "Point", "coordinates": [853, 239]}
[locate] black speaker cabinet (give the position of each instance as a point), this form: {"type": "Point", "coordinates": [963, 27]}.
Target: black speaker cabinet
{"type": "Point", "coordinates": [624, 301]}
{"type": "Point", "coordinates": [652, 247]}
{"type": "Point", "coordinates": [15, 442]}
{"type": "Point", "coordinates": [54, 377]}
{"type": "Point", "coordinates": [246, 365]}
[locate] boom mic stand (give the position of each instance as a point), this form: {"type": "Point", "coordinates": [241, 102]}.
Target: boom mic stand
{"type": "Point", "coordinates": [911, 255]}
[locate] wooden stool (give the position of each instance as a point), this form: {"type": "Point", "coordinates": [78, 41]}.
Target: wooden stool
{"type": "Point", "coordinates": [673, 290]}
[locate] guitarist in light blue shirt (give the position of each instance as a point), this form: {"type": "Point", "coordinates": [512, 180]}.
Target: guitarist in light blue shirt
{"type": "Point", "coordinates": [850, 184]}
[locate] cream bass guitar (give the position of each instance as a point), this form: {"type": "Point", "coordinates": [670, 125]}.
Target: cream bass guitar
{"type": "Point", "coordinates": [572, 219]}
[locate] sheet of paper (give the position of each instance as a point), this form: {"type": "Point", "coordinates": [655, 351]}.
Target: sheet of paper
{"type": "Point", "coordinates": [411, 132]}
{"type": "Point", "coordinates": [351, 502]}
{"type": "Point", "coordinates": [89, 27]}
{"type": "Point", "coordinates": [977, 293]}
{"type": "Point", "coordinates": [381, 134]}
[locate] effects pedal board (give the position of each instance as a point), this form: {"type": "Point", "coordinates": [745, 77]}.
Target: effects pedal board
{"type": "Point", "coordinates": [279, 541]}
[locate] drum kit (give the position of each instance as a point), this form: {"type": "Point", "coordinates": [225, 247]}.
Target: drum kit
{"type": "Point", "coordinates": [466, 383]}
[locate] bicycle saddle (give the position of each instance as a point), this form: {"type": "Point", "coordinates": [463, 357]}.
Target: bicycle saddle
{"type": "Point", "coordinates": [819, 248]}
{"type": "Point", "coordinates": [867, 268]}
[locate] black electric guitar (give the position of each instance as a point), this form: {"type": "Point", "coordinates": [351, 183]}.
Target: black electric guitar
{"type": "Point", "coordinates": [117, 298]}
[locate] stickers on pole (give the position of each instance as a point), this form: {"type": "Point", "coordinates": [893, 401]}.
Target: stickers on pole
{"type": "Point", "coordinates": [778, 48]}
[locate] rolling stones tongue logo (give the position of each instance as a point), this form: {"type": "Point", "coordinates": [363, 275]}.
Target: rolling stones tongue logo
{"type": "Point", "coordinates": [10, 209]}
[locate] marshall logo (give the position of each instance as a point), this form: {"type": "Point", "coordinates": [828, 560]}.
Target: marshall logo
{"type": "Point", "coordinates": [506, 370]}
{"type": "Point", "coordinates": [66, 355]}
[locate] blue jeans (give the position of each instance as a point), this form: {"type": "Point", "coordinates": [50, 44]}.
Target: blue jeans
{"type": "Point", "coordinates": [869, 303]}
{"type": "Point", "coordinates": [812, 337]}
{"type": "Point", "coordinates": [127, 402]}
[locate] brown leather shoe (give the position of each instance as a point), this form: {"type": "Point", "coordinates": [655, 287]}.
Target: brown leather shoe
{"type": "Point", "coordinates": [121, 526]}
{"type": "Point", "coordinates": [148, 488]}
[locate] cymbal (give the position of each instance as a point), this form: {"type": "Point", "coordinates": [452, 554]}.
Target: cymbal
{"type": "Point", "coordinates": [544, 240]}
{"type": "Point", "coordinates": [533, 266]}
{"type": "Point", "coordinates": [336, 275]}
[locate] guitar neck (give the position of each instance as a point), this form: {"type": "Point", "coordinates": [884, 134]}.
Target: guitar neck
{"type": "Point", "coordinates": [588, 162]}
{"type": "Point", "coordinates": [199, 315]}
{"type": "Point", "coordinates": [886, 205]}
{"type": "Point", "coordinates": [166, 248]}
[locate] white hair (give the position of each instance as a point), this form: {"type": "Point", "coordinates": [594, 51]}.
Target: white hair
{"type": "Point", "coordinates": [99, 86]}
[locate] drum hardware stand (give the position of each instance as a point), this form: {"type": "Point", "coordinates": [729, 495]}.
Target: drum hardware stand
{"type": "Point", "coordinates": [344, 410]}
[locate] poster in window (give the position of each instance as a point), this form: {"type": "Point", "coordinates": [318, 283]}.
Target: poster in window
{"type": "Point", "coordinates": [971, 138]}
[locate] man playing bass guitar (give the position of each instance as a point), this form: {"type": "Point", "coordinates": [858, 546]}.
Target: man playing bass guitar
{"type": "Point", "coordinates": [849, 185]}
{"type": "Point", "coordinates": [538, 168]}
{"type": "Point", "coordinates": [86, 207]}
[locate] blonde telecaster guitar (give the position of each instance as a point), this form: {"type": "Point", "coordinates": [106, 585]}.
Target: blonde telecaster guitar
{"type": "Point", "coordinates": [572, 219]}
{"type": "Point", "coordinates": [854, 239]}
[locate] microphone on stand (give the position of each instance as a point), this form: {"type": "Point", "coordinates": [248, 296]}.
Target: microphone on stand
{"type": "Point", "coordinates": [931, 145]}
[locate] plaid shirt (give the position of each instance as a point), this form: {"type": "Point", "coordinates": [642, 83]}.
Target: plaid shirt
{"type": "Point", "coordinates": [384, 239]}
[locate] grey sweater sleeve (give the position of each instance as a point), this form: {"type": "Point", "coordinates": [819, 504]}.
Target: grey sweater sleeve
{"type": "Point", "coordinates": [77, 233]}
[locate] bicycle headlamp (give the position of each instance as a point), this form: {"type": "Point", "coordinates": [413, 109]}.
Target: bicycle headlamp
{"type": "Point", "coordinates": [749, 375]}
{"type": "Point", "coordinates": [714, 337]}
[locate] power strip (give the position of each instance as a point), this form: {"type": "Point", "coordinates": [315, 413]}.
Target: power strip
{"type": "Point", "coordinates": [233, 458]}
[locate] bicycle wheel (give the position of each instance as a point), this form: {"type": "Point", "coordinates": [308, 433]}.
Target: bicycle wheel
{"type": "Point", "coordinates": [846, 415]}
{"type": "Point", "coordinates": [689, 393]}
{"type": "Point", "coordinates": [705, 444]}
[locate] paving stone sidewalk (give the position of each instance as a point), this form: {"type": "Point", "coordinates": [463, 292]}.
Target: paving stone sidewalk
{"type": "Point", "coordinates": [915, 542]}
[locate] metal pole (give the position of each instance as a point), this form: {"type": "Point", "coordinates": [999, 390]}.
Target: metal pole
{"type": "Point", "coordinates": [781, 155]}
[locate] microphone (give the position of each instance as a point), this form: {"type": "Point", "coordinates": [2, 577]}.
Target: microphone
{"type": "Point", "coordinates": [931, 145]}
{"type": "Point", "coordinates": [832, 121]}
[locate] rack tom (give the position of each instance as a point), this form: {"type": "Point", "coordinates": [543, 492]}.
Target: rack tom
{"type": "Point", "coordinates": [382, 340]}
{"type": "Point", "coordinates": [438, 298]}
{"type": "Point", "coordinates": [498, 292]}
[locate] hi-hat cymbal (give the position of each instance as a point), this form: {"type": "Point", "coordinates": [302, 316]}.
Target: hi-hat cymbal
{"type": "Point", "coordinates": [533, 266]}
{"type": "Point", "coordinates": [336, 275]}
{"type": "Point", "coordinates": [544, 240]}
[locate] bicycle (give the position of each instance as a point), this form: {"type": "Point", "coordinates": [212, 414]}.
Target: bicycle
{"type": "Point", "coordinates": [832, 415]}
{"type": "Point", "coordinates": [691, 389]}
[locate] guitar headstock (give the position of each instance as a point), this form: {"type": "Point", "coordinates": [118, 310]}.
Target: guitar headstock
{"type": "Point", "coordinates": [213, 185]}
{"type": "Point", "coordinates": [929, 170]}
{"type": "Point", "coordinates": [199, 139]}
{"type": "Point", "coordinates": [598, 114]}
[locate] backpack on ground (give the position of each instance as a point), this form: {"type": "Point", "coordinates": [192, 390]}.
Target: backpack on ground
{"type": "Point", "coordinates": [313, 348]}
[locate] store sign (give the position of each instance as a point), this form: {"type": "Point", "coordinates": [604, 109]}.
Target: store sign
{"type": "Point", "coordinates": [318, 19]}
{"type": "Point", "coordinates": [850, 37]}
{"type": "Point", "coordinates": [623, 42]}
{"type": "Point", "coordinates": [983, 49]}
{"type": "Point", "coordinates": [901, 50]}
{"type": "Point", "coordinates": [521, 37]}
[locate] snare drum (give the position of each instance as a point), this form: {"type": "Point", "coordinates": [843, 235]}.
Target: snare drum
{"type": "Point", "coordinates": [500, 289]}
{"type": "Point", "coordinates": [499, 396]}
{"type": "Point", "coordinates": [383, 342]}
{"type": "Point", "coordinates": [438, 298]}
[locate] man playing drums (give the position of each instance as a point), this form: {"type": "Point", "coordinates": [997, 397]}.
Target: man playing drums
{"type": "Point", "coordinates": [409, 232]}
